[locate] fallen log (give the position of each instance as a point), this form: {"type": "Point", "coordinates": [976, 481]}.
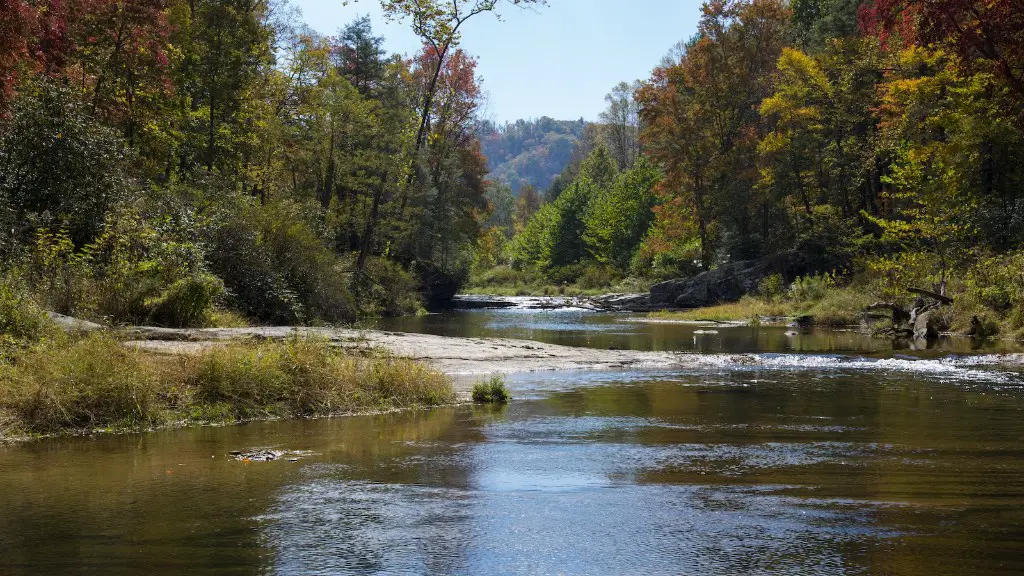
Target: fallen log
{"type": "Point", "coordinates": [899, 315]}
{"type": "Point", "coordinates": [941, 298]}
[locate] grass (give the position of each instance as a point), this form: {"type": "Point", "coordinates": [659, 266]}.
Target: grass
{"type": "Point", "coordinates": [97, 383]}
{"type": "Point", "coordinates": [836, 307]}
{"type": "Point", "coordinates": [746, 309]}
{"type": "Point", "coordinates": [492, 391]}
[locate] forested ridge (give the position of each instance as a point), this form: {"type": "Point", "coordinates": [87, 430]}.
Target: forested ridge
{"type": "Point", "coordinates": [529, 152]}
{"type": "Point", "coordinates": [217, 161]}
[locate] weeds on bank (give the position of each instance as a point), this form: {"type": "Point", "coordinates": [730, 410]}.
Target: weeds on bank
{"type": "Point", "coordinates": [492, 391]}
{"type": "Point", "coordinates": [816, 296]}
{"type": "Point", "coordinates": [97, 382]}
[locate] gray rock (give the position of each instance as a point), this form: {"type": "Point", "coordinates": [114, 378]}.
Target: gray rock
{"type": "Point", "coordinates": [729, 282]}
{"type": "Point", "coordinates": [926, 326]}
{"type": "Point", "coordinates": [71, 324]}
{"type": "Point", "coordinates": [621, 302]}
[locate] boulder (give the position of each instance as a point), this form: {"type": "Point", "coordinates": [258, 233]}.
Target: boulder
{"type": "Point", "coordinates": [728, 282]}
{"type": "Point", "coordinates": [926, 326]}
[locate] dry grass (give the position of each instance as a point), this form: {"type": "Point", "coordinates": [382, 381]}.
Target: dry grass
{"type": "Point", "coordinates": [838, 307]}
{"type": "Point", "coordinates": [97, 383]}
{"type": "Point", "coordinates": [748, 308]}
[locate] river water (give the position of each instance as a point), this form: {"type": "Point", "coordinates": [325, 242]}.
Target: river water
{"type": "Point", "coordinates": [814, 453]}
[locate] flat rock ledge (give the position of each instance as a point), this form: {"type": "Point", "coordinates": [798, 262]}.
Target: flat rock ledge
{"type": "Point", "coordinates": [466, 359]}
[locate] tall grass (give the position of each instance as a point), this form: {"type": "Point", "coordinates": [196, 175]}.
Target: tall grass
{"type": "Point", "coordinates": [98, 383]}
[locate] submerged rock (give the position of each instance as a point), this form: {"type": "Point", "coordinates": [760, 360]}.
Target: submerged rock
{"type": "Point", "coordinates": [256, 455]}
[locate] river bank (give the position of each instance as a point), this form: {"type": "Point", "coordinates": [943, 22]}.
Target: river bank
{"type": "Point", "coordinates": [102, 383]}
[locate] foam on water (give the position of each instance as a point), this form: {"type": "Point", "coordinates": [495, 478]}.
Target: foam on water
{"type": "Point", "coordinates": [1001, 368]}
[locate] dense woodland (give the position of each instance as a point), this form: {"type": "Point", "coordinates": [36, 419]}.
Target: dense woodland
{"type": "Point", "coordinates": [162, 159]}
{"type": "Point", "coordinates": [160, 156]}
{"type": "Point", "coordinates": [882, 139]}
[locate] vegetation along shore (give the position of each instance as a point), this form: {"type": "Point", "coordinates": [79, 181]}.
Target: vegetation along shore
{"type": "Point", "coordinates": [202, 164]}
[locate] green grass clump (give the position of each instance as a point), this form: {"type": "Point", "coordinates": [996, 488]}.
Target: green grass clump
{"type": "Point", "coordinates": [98, 382]}
{"type": "Point", "coordinates": [305, 377]}
{"type": "Point", "coordinates": [492, 391]}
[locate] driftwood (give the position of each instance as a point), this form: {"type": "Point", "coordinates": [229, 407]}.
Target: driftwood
{"type": "Point", "coordinates": [919, 320]}
{"type": "Point", "coordinates": [940, 298]}
{"type": "Point", "coordinates": [899, 315]}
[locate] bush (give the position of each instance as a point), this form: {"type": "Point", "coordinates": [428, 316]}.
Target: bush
{"type": "Point", "coordinates": [771, 288]}
{"type": "Point", "coordinates": [21, 320]}
{"type": "Point", "coordinates": [59, 167]}
{"type": "Point", "coordinates": [386, 288]}
{"type": "Point", "coordinates": [187, 303]}
{"type": "Point", "coordinates": [597, 276]}
{"type": "Point", "coordinates": [492, 391]}
{"type": "Point", "coordinates": [812, 288]}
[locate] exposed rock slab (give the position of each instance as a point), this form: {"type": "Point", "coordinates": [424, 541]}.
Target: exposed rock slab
{"type": "Point", "coordinates": [467, 358]}
{"type": "Point", "coordinates": [71, 324]}
{"type": "Point", "coordinates": [729, 282]}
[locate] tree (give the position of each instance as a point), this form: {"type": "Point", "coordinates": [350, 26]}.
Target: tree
{"type": "Point", "coordinates": [439, 24]}
{"type": "Point", "coordinates": [982, 33]}
{"type": "Point", "coordinates": [700, 122]}
{"type": "Point", "coordinates": [527, 204]}
{"type": "Point", "coordinates": [620, 216]}
{"type": "Point", "coordinates": [226, 48]}
{"type": "Point", "coordinates": [59, 167]}
{"type": "Point", "coordinates": [622, 124]}
{"type": "Point", "coordinates": [816, 22]}
{"type": "Point", "coordinates": [16, 22]}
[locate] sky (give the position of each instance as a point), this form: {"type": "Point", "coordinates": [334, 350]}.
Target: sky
{"type": "Point", "coordinates": [557, 61]}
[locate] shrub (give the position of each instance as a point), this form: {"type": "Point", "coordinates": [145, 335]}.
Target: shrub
{"type": "Point", "coordinates": [492, 391]}
{"type": "Point", "coordinates": [59, 167]}
{"type": "Point", "coordinates": [812, 288]}
{"type": "Point", "coordinates": [22, 322]}
{"type": "Point", "coordinates": [186, 303]}
{"type": "Point", "coordinates": [386, 288]}
{"type": "Point", "coordinates": [597, 276]}
{"type": "Point", "coordinates": [772, 287]}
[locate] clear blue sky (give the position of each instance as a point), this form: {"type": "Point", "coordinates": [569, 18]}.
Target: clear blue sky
{"type": "Point", "coordinates": [556, 61]}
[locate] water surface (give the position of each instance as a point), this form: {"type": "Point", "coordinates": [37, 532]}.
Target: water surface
{"type": "Point", "coordinates": [827, 463]}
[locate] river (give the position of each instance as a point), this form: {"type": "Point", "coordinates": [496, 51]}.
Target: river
{"type": "Point", "coordinates": [834, 453]}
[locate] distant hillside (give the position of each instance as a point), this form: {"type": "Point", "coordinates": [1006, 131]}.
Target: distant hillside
{"type": "Point", "coordinates": [529, 151]}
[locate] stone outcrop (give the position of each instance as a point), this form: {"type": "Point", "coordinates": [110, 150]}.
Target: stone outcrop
{"type": "Point", "coordinates": [728, 282]}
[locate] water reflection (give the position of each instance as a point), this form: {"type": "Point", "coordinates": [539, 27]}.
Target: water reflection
{"type": "Point", "coordinates": [575, 327]}
{"type": "Point", "coordinates": [692, 472]}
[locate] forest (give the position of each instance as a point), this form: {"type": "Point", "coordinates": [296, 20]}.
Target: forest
{"type": "Point", "coordinates": [218, 162]}
{"type": "Point", "coordinates": [880, 140]}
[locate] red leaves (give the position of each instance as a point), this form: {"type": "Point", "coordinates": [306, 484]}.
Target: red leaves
{"type": "Point", "coordinates": [987, 33]}
{"type": "Point", "coordinates": [16, 21]}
